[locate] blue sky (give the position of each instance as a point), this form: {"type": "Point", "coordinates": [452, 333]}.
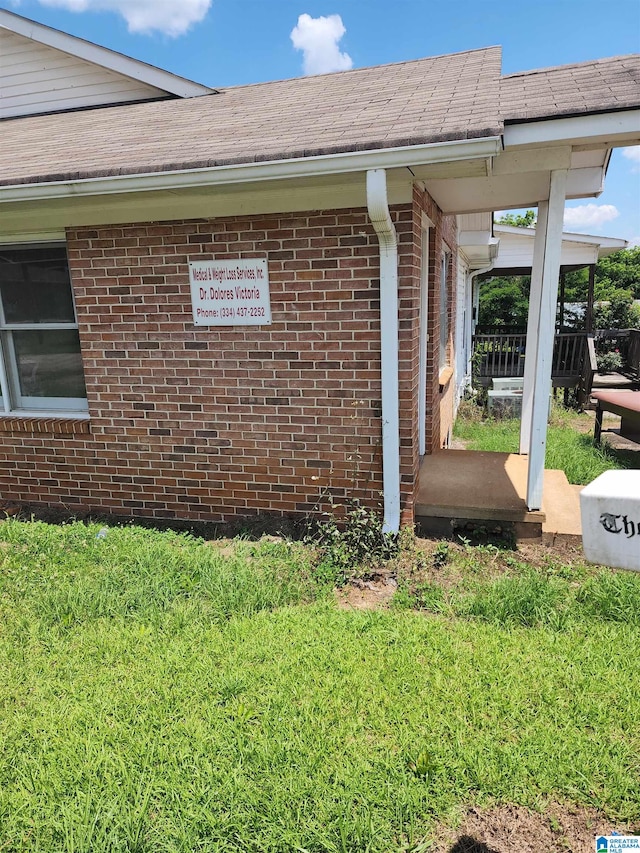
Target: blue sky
{"type": "Point", "coordinates": [230, 42]}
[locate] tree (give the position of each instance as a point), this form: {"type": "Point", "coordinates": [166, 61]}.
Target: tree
{"type": "Point", "coordinates": [620, 271]}
{"type": "Point", "coordinates": [519, 220]}
{"type": "Point", "coordinates": [617, 312]}
{"type": "Point", "coordinates": [504, 301]}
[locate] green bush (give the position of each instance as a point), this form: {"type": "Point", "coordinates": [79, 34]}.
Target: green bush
{"type": "Point", "coordinates": [609, 362]}
{"type": "Point", "coordinates": [352, 545]}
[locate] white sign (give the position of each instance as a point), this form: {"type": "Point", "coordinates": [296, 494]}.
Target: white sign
{"type": "Point", "coordinates": [610, 510]}
{"type": "Point", "coordinates": [230, 293]}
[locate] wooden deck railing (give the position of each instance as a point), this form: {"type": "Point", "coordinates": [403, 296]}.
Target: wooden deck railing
{"type": "Point", "coordinates": [499, 355]}
{"type": "Point", "coordinates": [633, 354]}
{"type": "Point", "coordinates": [589, 370]}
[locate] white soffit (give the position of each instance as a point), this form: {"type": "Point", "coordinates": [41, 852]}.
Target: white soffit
{"type": "Point", "coordinates": [584, 158]}
{"type": "Point", "coordinates": [502, 192]}
{"type": "Point", "coordinates": [287, 196]}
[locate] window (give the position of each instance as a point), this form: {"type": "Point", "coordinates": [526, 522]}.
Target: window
{"type": "Point", "coordinates": [444, 309]}
{"type": "Point", "coordinates": [40, 364]}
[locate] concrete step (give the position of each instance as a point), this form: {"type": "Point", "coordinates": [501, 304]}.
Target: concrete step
{"type": "Point", "coordinates": [463, 488]}
{"type": "Point", "coordinates": [561, 504]}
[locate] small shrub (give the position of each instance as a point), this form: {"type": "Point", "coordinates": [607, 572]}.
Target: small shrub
{"type": "Point", "coordinates": [353, 545]}
{"type": "Point", "coordinates": [440, 555]}
{"type": "Point", "coordinates": [609, 362]}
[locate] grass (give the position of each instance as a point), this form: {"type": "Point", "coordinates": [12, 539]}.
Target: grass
{"type": "Point", "coordinates": [164, 694]}
{"type": "Point", "coordinates": [570, 445]}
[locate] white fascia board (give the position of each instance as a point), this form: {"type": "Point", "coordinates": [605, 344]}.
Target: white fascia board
{"type": "Point", "coordinates": [612, 244]}
{"type": "Point", "coordinates": [326, 164]}
{"type": "Point", "coordinates": [503, 228]}
{"type": "Point", "coordinates": [616, 128]}
{"type": "Point", "coordinates": [103, 56]}
{"type": "Point", "coordinates": [585, 182]}
{"type": "Point", "coordinates": [593, 240]}
{"type": "Point", "coordinates": [567, 236]}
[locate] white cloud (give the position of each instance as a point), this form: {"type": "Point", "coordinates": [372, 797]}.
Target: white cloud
{"type": "Point", "coordinates": [633, 153]}
{"type": "Point", "coordinates": [172, 17]}
{"type": "Point", "coordinates": [318, 39]}
{"type": "Point", "coordinates": [589, 215]}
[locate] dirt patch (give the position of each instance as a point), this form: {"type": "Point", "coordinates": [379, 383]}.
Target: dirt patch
{"type": "Point", "coordinates": [367, 595]}
{"type": "Point", "coordinates": [514, 829]}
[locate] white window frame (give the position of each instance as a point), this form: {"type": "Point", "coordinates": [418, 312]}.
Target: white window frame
{"type": "Point", "coordinates": [12, 402]}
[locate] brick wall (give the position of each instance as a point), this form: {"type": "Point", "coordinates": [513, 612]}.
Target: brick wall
{"type": "Point", "coordinates": [209, 423]}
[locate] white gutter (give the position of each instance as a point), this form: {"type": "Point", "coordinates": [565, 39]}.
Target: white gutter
{"type": "Point", "coordinates": [610, 129]}
{"type": "Point", "coordinates": [378, 208]}
{"type": "Point", "coordinates": [298, 167]}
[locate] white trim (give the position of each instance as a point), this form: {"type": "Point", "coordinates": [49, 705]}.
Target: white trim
{"type": "Point", "coordinates": [546, 330]}
{"type": "Point", "coordinates": [378, 208]}
{"type": "Point", "coordinates": [325, 164]}
{"type": "Point", "coordinates": [567, 236]}
{"type": "Point", "coordinates": [102, 56]}
{"type": "Point", "coordinates": [533, 318]}
{"type": "Point", "coordinates": [13, 402]}
{"type": "Point", "coordinates": [617, 128]}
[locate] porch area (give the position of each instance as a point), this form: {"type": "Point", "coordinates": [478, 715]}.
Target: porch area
{"type": "Point", "coordinates": [462, 489]}
{"type": "Point", "coordinates": [501, 353]}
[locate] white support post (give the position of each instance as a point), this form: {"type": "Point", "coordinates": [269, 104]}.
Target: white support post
{"type": "Point", "coordinates": [545, 337]}
{"type": "Point", "coordinates": [533, 326]}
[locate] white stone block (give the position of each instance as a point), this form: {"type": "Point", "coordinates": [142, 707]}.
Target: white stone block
{"type": "Point", "coordinates": [610, 512]}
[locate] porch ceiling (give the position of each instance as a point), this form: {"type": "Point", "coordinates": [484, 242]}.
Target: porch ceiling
{"type": "Point", "coordinates": [520, 175]}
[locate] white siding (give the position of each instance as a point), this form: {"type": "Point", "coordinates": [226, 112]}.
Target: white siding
{"type": "Point", "coordinates": [38, 79]}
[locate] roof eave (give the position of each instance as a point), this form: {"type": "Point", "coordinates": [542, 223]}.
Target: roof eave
{"type": "Point", "coordinates": [611, 128]}
{"type": "Point", "coordinates": [327, 164]}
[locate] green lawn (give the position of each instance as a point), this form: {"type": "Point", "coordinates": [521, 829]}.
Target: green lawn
{"type": "Point", "coordinates": [569, 443]}
{"type": "Point", "coordinates": [163, 694]}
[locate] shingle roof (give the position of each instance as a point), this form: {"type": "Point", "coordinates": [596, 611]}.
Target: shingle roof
{"type": "Point", "coordinates": [458, 96]}
{"type": "Point", "coordinates": [587, 87]}
{"type": "Point", "coordinates": [427, 100]}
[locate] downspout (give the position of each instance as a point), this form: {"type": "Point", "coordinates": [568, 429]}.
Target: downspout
{"type": "Point", "coordinates": [378, 207]}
